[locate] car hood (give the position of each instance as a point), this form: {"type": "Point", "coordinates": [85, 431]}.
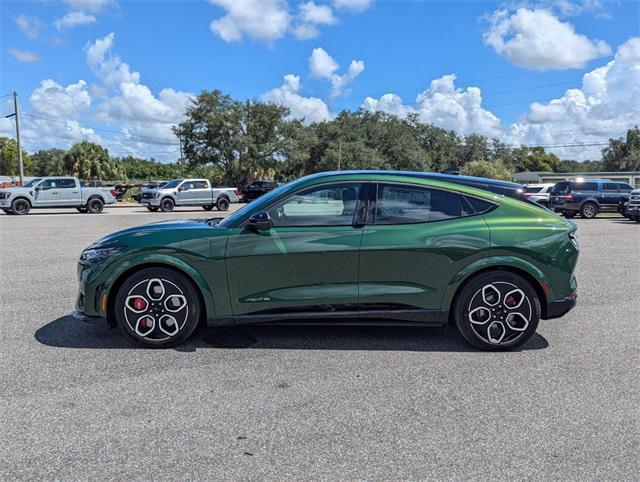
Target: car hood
{"type": "Point", "coordinates": [17, 190]}
{"type": "Point", "coordinates": [163, 231]}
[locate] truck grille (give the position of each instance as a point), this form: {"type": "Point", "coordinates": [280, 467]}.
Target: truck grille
{"type": "Point", "coordinates": [146, 195]}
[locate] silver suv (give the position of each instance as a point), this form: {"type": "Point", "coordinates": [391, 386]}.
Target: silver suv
{"type": "Point", "coordinates": [54, 192]}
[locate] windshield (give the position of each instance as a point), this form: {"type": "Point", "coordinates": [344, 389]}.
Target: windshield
{"type": "Point", "coordinates": [33, 182]}
{"type": "Point", "coordinates": [253, 206]}
{"type": "Point", "coordinates": [532, 190]}
{"type": "Point", "coordinates": [172, 184]}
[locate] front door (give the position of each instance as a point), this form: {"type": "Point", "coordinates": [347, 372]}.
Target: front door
{"type": "Point", "coordinates": [307, 261]}
{"type": "Point", "coordinates": [47, 193]}
{"type": "Point", "coordinates": [187, 194]}
{"type": "Point", "coordinates": [416, 239]}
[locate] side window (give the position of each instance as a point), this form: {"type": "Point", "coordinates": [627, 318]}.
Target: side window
{"type": "Point", "coordinates": [478, 205]}
{"type": "Point", "coordinates": [67, 183]}
{"type": "Point", "coordinates": [562, 187]}
{"type": "Point", "coordinates": [188, 186]}
{"type": "Point", "coordinates": [200, 185]}
{"type": "Point", "coordinates": [48, 184]}
{"type": "Point", "coordinates": [610, 186]}
{"type": "Point", "coordinates": [624, 187]}
{"type": "Point", "coordinates": [332, 205]}
{"type": "Point", "coordinates": [584, 186]}
{"type": "Point", "coordinates": [397, 204]}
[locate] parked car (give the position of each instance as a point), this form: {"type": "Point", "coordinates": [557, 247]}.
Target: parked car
{"type": "Point", "coordinates": [587, 197]}
{"type": "Point", "coordinates": [188, 192]}
{"type": "Point", "coordinates": [538, 193]}
{"type": "Point", "coordinates": [632, 210]}
{"type": "Point", "coordinates": [342, 248]}
{"type": "Point", "coordinates": [55, 192]}
{"type": "Point", "coordinates": [257, 189]}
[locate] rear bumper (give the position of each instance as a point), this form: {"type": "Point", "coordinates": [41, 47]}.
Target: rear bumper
{"type": "Point", "coordinates": [556, 309]}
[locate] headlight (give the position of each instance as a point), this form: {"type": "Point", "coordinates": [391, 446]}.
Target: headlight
{"type": "Point", "coordinates": [157, 195]}
{"type": "Point", "coordinates": [95, 254]}
{"type": "Point", "coordinates": [574, 240]}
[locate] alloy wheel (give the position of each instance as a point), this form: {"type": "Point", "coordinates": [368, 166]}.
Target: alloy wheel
{"type": "Point", "coordinates": [499, 312]}
{"type": "Point", "coordinates": [156, 309]}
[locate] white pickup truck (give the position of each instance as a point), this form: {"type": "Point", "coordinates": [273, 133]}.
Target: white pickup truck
{"type": "Point", "coordinates": [54, 192]}
{"type": "Point", "coordinates": [188, 192]}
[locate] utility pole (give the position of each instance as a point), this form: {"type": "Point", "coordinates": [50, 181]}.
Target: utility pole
{"type": "Point", "coordinates": [16, 113]}
{"type": "Point", "coordinates": [339, 153]}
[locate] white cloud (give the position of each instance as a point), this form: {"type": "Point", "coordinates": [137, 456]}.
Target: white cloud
{"type": "Point", "coordinates": [310, 16]}
{"type": "Point", "coordinates": [108, 67]}
{"type": "Point", "coordinates": [90, 6]}
{"type": "Point", "coordinates": [311, 109]}
{"type": "Point", "coordinates": [74, 19]}
{"type": "Point", "coordinates": [444, 105]}
{"type": "Point", "coordinates": [266, 20]}
{"type": "Point", "coordinates": [353, 5]}
{"type": "Point", "coordinates": [270, 20]}
{"type": "Point", "coordinates": [25, 55]}
{"type": "Point", "coordinates": [536, 39]}
{"type": "Point", "coordinates": [55, 100]}
{"type": "Point", "coordinates": [322, 65]}
{"type": "Point", "coordinates": [30, 26]}
{"type": "Point", "coordinates": [606, 105]}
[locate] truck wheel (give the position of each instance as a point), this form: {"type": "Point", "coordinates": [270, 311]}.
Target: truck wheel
{"type": "Point", "coordinates": [222, 204]}
{"type": "Point", "coordinates": [82, 210]}
{"type": "Point", "coordinates": [569, 214]}
{"type": "Point", "coordinates": [95, 206]}
{"type": "Point", "coordinates": [167, 205]}
{"type": "Point", "coordinates": [20, 206]}
{"type": "Point", "coordinates": [8, 211]}
{"type": "Point", "coordinates": [589, 210]}
{"type": "Point", "coordinates": [153, 209]}
{"type": "Point", "coordinates": [208, 207]}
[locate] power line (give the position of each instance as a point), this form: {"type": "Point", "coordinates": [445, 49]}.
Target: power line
{"type": "Point", "coordinates": [5, 95]}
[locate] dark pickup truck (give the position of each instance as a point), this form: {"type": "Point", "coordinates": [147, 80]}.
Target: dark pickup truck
{"type": "Point", "coordinates": [588, 197]}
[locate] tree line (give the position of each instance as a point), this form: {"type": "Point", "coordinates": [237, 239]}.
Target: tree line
{"type": "Point", "coordinates": [235, 142]}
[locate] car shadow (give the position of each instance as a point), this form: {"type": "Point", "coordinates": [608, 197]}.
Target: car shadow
{"type": "Point", "coordinates": [68, 332]}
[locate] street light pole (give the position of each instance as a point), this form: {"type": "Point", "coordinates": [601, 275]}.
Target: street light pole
{"type": "Point", "coordinates": [17, 114]}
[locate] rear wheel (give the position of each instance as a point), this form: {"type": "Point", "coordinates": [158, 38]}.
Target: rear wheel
{"type": "Point", "coordinates": [589, 210]}
{"type": "Point", "coordinates": [95, 206]}
{"type": "Point", "coordinates": [222, 204]}
{"type": "Point", "coordinates": [20, 206]}
{"type": "Point", "coordinates": [158, 307]}
{"type": "Point", "coordinates": [497, 310]}
{"type": "Point", "coordinates": [81, 210]}
{"type": "Point", "coordinates": [569, 214]}
{"type": "Point", "coordinates": [167, 205]}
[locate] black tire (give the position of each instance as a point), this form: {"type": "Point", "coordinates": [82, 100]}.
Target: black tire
{"type": "Point", "coordinates": [222, 204]}
{"type": "Point", "coordinates": [497, 326]}
{"type": "Point", "coordinates": [589, 210]}
{"type": "Point", "coordinates": [20, 206]}
{"type": "Point", "coordinates": [135, 324]}
{"type": "Point", "coordinates": [153, 209]}
{"type": "Point", "coordinates": [8, 211]}
{"type": "Point", "coordinates": [208, 207]}
{"type": "Point", "coordinates": [569, 214]}
{"type": "Point", "coordinates": [167, 205]}
{"type": "Point", "coordinates": [95, 205]}
{"type": "Point", "coordinates": [81, 210]}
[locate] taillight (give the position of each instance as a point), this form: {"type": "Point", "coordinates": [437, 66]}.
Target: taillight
{"type": "Point", "coordinates": [114, 192]}
{"type": "Point", "coordinates": [527, 194]}
{"type": "Point", "coordinates": [568, 197]}
{"type": "Point", "coordinates": [237, 191]}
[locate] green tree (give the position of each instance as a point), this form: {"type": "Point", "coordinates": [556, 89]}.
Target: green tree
{"type": "Point", "coordinates": [87, 160]}
{"type": "Point", "coordinates": [9, 158]}
{"type": "Point", "coordinates": [241, 138]}
{"type": "Point", "coordinates": [491, 169]}
{"type": "Point", "coordinates": [48, 162]}
{"type": "Point", "coordinates": [623, 154]}
{"type": "Point", "coordinates": [533, 159]}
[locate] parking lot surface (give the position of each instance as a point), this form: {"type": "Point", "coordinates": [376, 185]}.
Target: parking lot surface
{"type": "Point", "coordinates": [81, 401]}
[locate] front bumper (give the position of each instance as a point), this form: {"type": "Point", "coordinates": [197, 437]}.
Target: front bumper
{"type": "Point", "coordinates": [5, 203]}
{"type": "Point", "coordinates": [150, 202]}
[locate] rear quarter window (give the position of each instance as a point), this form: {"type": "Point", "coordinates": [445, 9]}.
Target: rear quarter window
{"type": "Point", "coordinates": [584, 186]}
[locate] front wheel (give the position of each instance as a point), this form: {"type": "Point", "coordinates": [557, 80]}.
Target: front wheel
{"type": "Point", "coordinates": [167, 205]}
{"type": "Point", "coordinates": [20, 207]}
{"type": "Point", "coordinates": [95, 206]}
{"type": "Point", "coordinates": [222, 204]}
{"type": "Point", "coordinates": [158, 307]}
{"type": "Point", "coordinates": [589, 210]}
{"type": "Point", "coordinates": [497, 310]}
{"type": "Point", "coordinates": [208, 207]}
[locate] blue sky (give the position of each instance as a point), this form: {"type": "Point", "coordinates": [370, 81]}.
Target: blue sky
{"type": "Point", "coordinates": [85, 67]}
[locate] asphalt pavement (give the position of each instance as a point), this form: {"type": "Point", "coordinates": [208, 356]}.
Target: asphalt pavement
{"type": "Point", "coordinates": [81, 401]}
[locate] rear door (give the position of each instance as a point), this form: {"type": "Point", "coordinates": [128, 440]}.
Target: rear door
{"type": "Point", "coordinates": [416, 239]}
{"type": "Point", "coordinates": [69, 192]}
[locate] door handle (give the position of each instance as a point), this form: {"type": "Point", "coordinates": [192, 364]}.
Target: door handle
{"type": "Point", "coordinates": [75, 192]}
{"type": "Point", "coordinates": [54, 192]}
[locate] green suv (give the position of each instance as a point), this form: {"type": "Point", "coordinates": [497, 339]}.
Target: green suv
{"type": "Point", "coordinates": [343, 248]}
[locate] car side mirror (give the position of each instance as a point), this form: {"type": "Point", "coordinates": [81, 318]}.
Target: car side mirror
{"type": "Point", "coordinates": [39, 188]}
{"type": "Point", "coordinates": [182, 188]}
{"type": "Point", "coordinates": [260, 221]}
